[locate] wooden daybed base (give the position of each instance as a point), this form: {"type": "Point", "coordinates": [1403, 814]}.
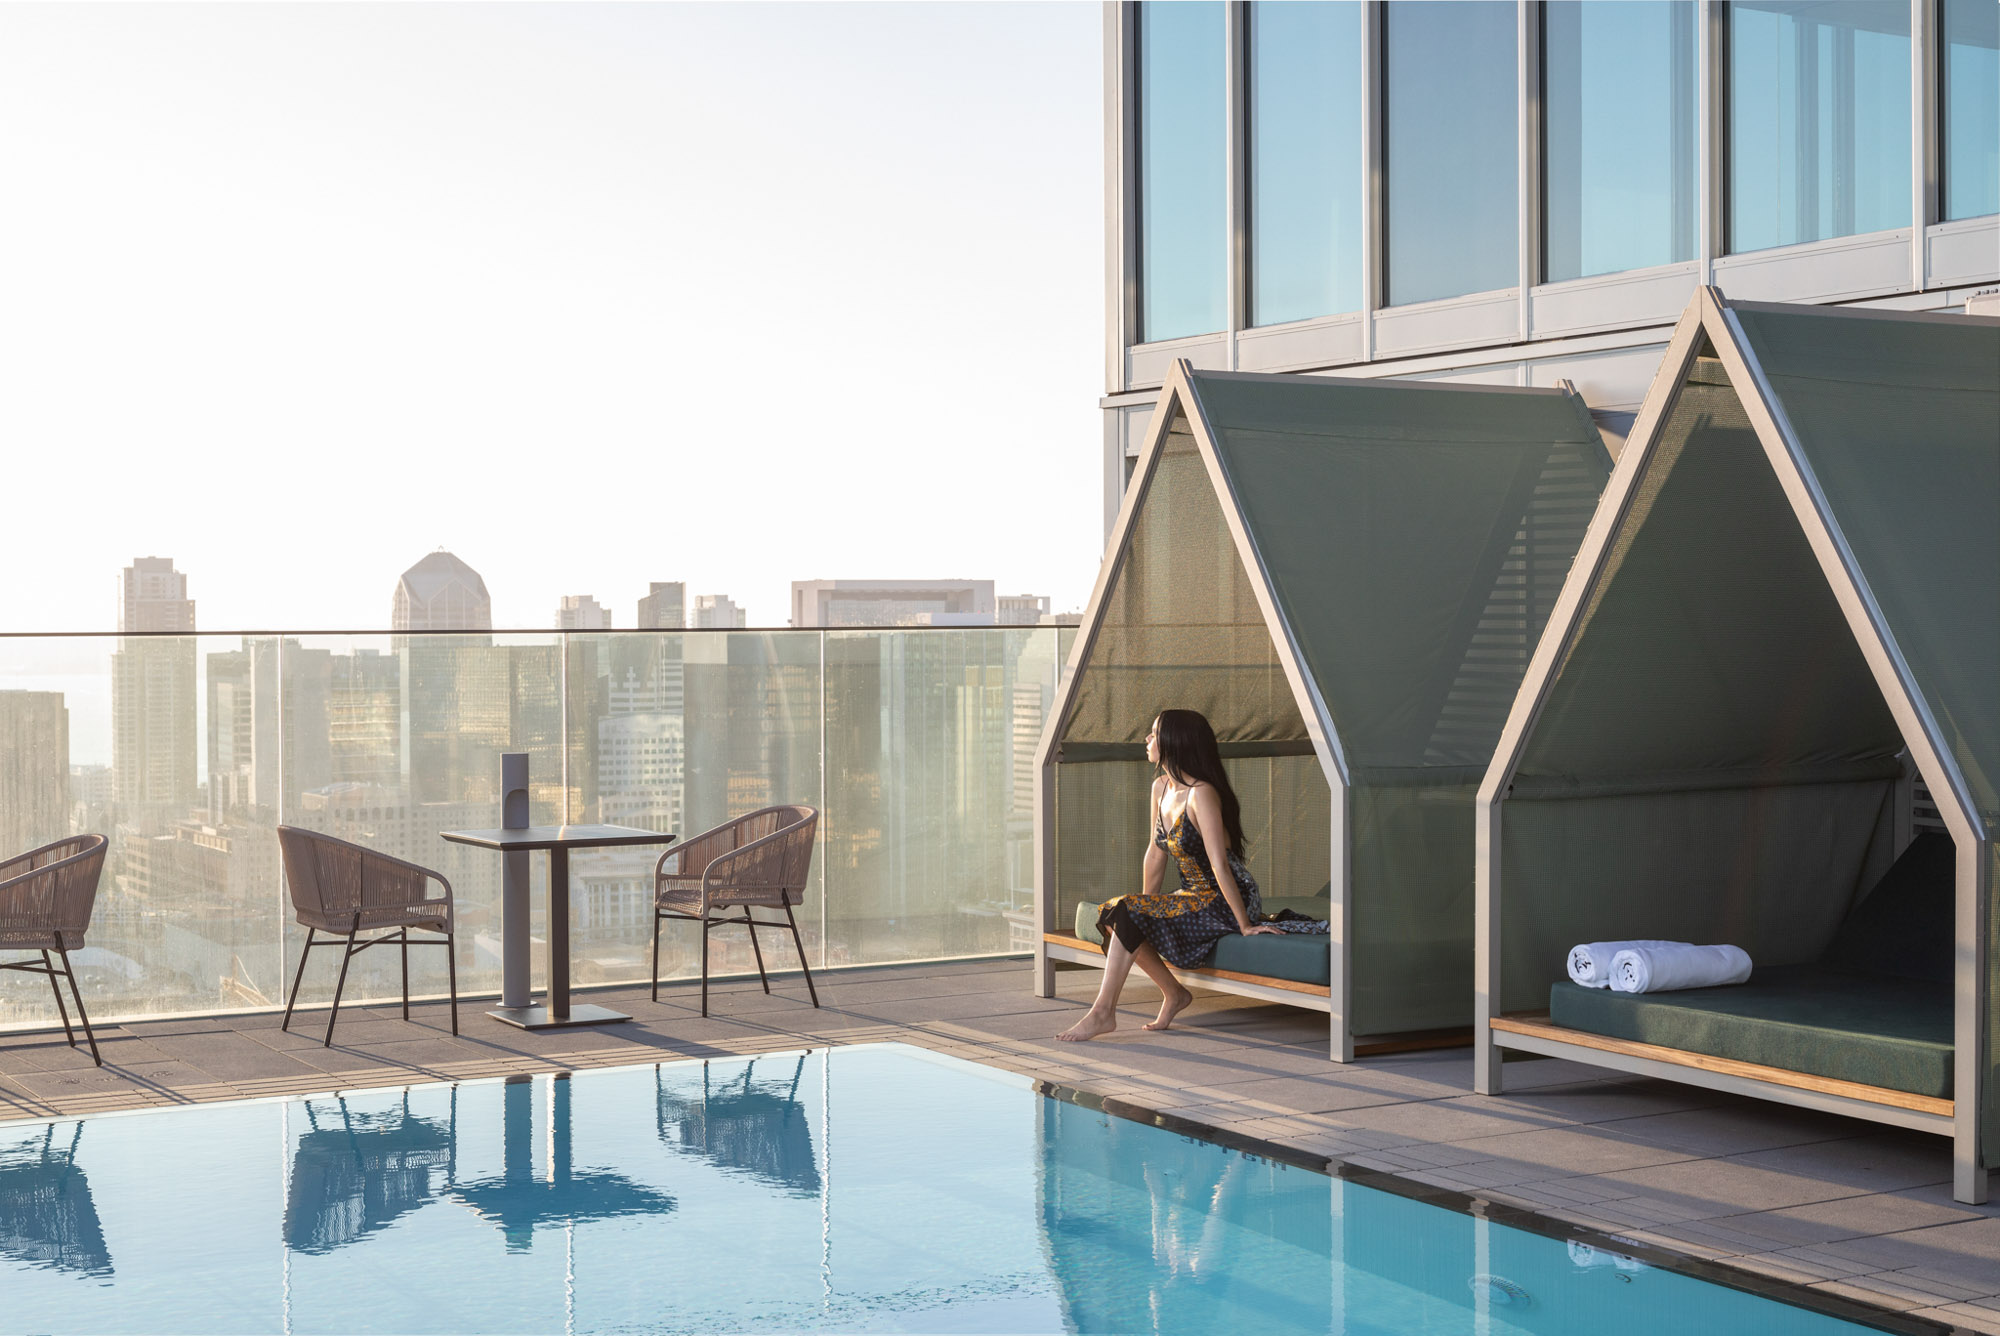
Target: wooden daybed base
{"type": "Point", "coordinates": [1285, 992]}
{"type": "Point", "coordinates": [1533, 1033]}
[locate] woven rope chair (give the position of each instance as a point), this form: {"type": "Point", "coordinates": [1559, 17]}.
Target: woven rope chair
{"type": "Point", "coordinates": [759, 861]}
{"type": "Point", "coordinates": [46, 897]}
{"type": "Point", "coordinates": [345, 890]}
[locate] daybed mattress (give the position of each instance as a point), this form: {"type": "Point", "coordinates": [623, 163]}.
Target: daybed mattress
{"type": "Point", "coordinates": [1296, 957]}
{"type": "Point", "coordinates": [1895, 1034]}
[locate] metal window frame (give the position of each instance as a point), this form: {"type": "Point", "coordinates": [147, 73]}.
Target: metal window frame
{"type": "Point", "coordinates": [1711, 321]}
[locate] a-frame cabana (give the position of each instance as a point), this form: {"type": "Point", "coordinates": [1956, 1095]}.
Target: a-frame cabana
{"type": "Point", "coordinates": [1346, 577]}
{"type": "Point", "coordinates": [1786, 613]}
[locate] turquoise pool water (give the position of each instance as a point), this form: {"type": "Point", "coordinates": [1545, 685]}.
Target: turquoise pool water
{"type": "Point", "coordinates": [876, 1188]}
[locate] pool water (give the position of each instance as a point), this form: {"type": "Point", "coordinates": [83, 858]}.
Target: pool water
{"type": "Point", "coordinates": [872, 1188]}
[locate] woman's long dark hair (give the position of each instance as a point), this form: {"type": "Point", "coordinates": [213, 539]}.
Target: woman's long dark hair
{"type": "Point", "coordinates": [1189, 756]}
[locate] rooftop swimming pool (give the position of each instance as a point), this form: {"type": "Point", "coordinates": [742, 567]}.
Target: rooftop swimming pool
{"type": "Point", "coordinates": [874, 1188]}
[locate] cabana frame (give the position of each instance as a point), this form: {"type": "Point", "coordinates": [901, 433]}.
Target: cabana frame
{"type": "Point", "coordinates": [1179, 401]}
{"type": "Point", "coordinates": [1711, 322]}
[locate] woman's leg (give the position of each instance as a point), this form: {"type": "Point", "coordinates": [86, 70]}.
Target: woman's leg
{"type": "Point", "coordinates": [1102, 1018]}
{"type": "Point", "coordinates": [1173, 998]}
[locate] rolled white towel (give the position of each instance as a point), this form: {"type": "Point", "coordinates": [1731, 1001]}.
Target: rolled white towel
{"type": "Point", "coordinates": [1664, 966]}
{"type": "Point", "coordinates": [1590, 962]}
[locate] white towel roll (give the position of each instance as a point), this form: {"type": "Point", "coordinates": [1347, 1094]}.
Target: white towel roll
{"type": "Point", "coordinates": [1590, 962]}
{"type": "Point", "coordinates": [1661, 967]}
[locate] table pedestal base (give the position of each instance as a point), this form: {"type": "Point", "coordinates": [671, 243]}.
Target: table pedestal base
{"type": "Point", "coordinates": [540, 1018]}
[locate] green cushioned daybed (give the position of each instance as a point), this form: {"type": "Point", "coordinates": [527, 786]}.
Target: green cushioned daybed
{"type": "Point", "coordinates": [1875, 1008]}
{"type": "Point", "coordinates": [1295, 957]}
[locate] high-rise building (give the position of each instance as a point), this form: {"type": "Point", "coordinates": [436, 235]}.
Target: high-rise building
{"type": "Point", "coordinates": [1020, 609]}
{"type": "Point", "coordinates": [664, 607]}
{"type": "Point", "coordinates": [34, 770]}
{"type": "Point", "coordinates": [892, 603]}
{"type": "Point", "coordinates": [153, 736]}
{"type": "Point", "coordinates": [581, 612]}
{"type": "Point", "coordinates": [1507, 194]}
{"type": "Point", "coordinates": [364, 694]}
{"type": "Point", "coordinates": [441, 593]}
{"type": "Point", "coordinates": [152, 596]}
{"type": "Point", "coordinates": [452, 692]}
{"type": "Point", "coordinates": [718, 612]}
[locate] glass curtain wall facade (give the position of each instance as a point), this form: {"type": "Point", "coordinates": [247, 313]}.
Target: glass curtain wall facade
{"type": "Point", "coordinates": [1969, 89]}
{"type": "Point", "coordinates": [1365, 158]}
{"type": "Point", "coordinates": [1449, 84]}
{"type": "Point", "coordinates": [1183, 212]}
{"type": "Point", "coordinates": [917, 746]}
{"type": "Point", "coordinates": [1819, 120]}
{"type": "Point", "coordinates": [1620, 166]}
{"type": "Point", "coordinates": [1306, 103]}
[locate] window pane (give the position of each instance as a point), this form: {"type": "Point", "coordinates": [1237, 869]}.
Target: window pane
{"type": "Point", "coordinates": [1819, 120]}
{"type": "Point", "coordinates": [1620, 135]}
{"type": "Point", "coordinates": [1971, 108]}
{"type": "Point", "coordinates": [1305, 159]}
{"type": "Point", "coordinates": [1182, 208]}
{"type": "Point", "coordinates": [1450, 119]}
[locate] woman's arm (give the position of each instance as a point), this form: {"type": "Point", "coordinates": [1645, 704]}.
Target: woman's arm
{"type": "Point", "coordinates": [1155, 874]}
{"type": "Point", "coordinates": [1215, 838]}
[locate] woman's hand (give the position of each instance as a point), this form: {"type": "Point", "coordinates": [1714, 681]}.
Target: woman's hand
{"type": "Point", "coordinates": [1257, 928]}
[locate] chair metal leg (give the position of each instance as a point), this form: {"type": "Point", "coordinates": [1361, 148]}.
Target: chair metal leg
{"type": "Point", "coordinates": [656, 954]}
{"type": "Point", "coordinates": [800, 942]}
{"type": "Point", "coordinates": [297, 979]}
{"type": "Point", "coordinates": [341, 986]}
{"type": "Point", "coordinates": [83, 1018]}
{"type": "Point", "coordinates": [451, 971]}
{"type": "Point", "coordinates": [405, 934]}
{"type": "Point", "coordinates": [61, 1010]}
{"type": "Point", "coordinates": [757, 950]}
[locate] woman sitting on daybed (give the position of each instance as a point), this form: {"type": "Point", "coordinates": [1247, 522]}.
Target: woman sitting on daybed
{"type": "Point", "coordinates": [1193, 810]}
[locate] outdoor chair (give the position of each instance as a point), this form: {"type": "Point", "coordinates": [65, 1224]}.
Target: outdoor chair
{"type": "Point", "coordinates": [45, 902]}
{"type": "Point", "coordinates": [345, 890]}
{"type": "Point", "coordinates": [754, 861]}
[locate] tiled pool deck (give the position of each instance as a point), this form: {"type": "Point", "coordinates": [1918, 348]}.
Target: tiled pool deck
{"type": "Point", "coordinates": [1850, 1207]}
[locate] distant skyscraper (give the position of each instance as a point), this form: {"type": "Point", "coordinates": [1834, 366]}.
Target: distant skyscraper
{"type": "Point", "coordinates": [34, 770]}
{"type": "Point", "coordinates": [1020, 609]}
{"type": "Point", "coordinates": [153, 741]}
{"type": "Point", "coordinates": [152, 596]}
{"type": "Point", "coordinates": [718, 611]}
{"type": "Point", "coordinates": [451, 691]}
{"type": "Point", "coordinates": [663, 607]}
{"type": "Point", "coordinates": [892, 603]}
{"type": "Point", "coordinates": [581, 612]}
{"type": "Point", "coordinates": [441, 593]}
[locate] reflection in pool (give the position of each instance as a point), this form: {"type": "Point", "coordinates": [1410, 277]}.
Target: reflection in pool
{"type": "Point", "coordinates": [870, 1188]}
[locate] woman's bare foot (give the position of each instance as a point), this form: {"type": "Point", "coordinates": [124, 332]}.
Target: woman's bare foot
{"type": "Point", "coordinates": [1091, 1026]}
{"type": "Point", "coordinates": [1172, 1005]}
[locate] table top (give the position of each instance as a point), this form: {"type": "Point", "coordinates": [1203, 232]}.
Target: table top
{"type": "Point", "coordinates": [551, 837]}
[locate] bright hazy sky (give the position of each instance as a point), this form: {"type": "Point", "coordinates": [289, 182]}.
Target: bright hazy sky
{"type": "Point", "coordinates": [590, 295]}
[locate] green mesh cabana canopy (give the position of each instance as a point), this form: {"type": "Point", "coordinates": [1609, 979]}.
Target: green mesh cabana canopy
{"type": "Point", "coordinates": [1785, 619]}
{"type": "Point", "coordinates": [1347, 578]}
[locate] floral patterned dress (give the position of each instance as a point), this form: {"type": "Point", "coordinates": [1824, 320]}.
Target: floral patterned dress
{"type": "Point", "coordinates": [1183, 926]}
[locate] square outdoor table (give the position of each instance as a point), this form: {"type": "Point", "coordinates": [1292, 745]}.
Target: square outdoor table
{"type": "Point", "coordinates": [558, 841]}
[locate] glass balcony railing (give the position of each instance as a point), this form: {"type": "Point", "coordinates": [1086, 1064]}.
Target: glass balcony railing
{"type": "Point", "coordinates": [188, 751]}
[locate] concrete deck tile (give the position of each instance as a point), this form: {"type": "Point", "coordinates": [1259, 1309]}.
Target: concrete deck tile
{"type": "Point", "coordinates": [1965, 1253]}
{"type": "Point", "coordinates": [1460, 1119]}
{"type": "Point", "coordinates": [1737, 1127]}
{"type": "Point", "coordinates": [1969, 1316]}
{"type": "Point", "coordinates": [1870, 1290]}
{"type": "Point", "coordinates": [1859, 1216]}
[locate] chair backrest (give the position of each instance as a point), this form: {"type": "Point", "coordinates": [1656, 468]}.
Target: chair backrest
{"type": "Point", "coordinates": [329, 876]}
{"type": "Point", "coordinates": [781, 860]}
{"type": "Point", "coordinates": [58, 886]}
